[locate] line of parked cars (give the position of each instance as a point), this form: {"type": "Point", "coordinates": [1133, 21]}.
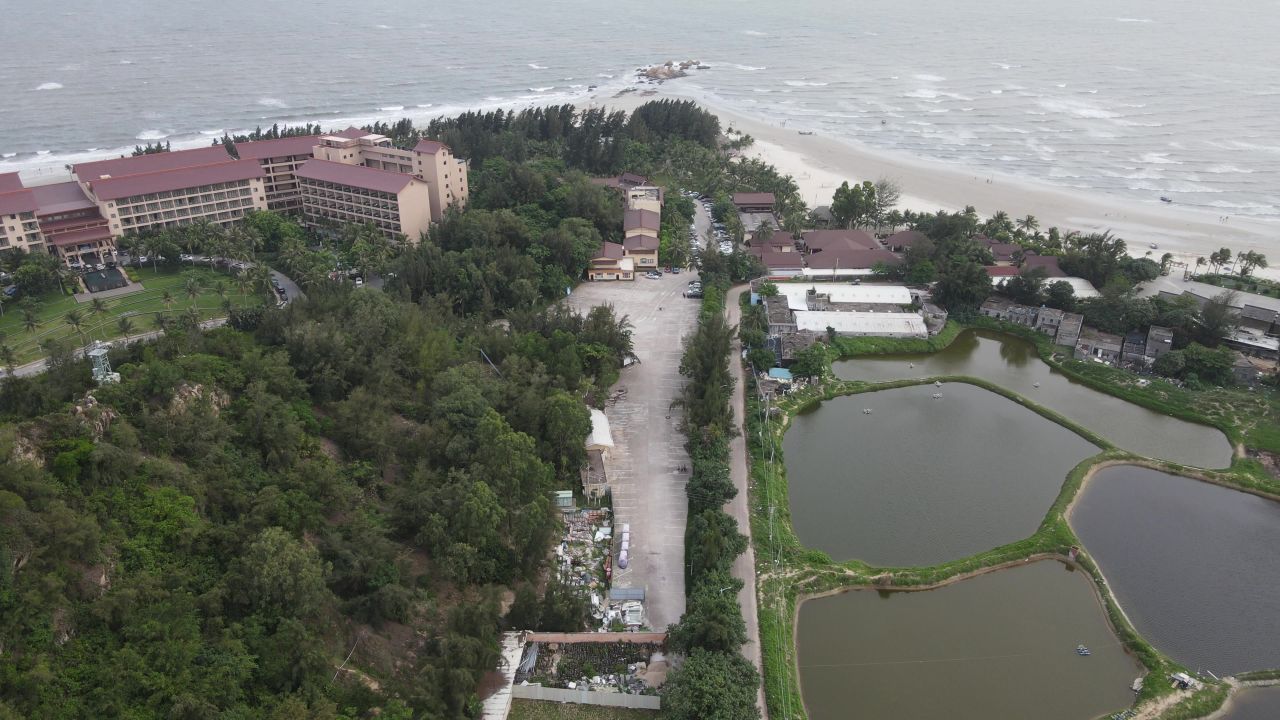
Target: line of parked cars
{"type": "Point", "coordinates": [694, 290]}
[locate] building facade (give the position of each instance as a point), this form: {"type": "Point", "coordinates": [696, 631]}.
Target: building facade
{"type": "Point", "coordinates": [334, 192]}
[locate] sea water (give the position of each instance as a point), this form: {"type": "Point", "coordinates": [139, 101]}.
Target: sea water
{"type": "Point", "coordinates": [1138, 100]}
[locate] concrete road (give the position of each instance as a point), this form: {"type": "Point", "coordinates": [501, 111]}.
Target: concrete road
{"type": "Point", "coordinates": [744, 568]}
{"type": "Point", "coordinates": [643, 468]}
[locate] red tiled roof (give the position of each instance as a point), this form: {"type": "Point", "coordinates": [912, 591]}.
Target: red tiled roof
{"type": "Point", "coordinates": [281, 147]}
{"type": "Point", "coordinates": [906, 238]}
{"type": "Point", "coordinates": [10, 182]}
{"type": "Point", "coordinates": [1001, 271]}
{"type": "Point", "coordinates": [350, 133]}
{"type": "Point", "coordinates": [180, 178]}
{"type": "Point", "coordinates": [646, 219]}
{"type": "Point", "coordinates": [76, 237]}
{"type": "Point", "coordinates": [819, 240]}
{"type": "Point", "coordinates": [641, 243]}
{"type": "Point", "coordinates": [778, 237]}
{"type": "Point", "coordinates": [155, 162]}
{"type": "Point", "coordinates": [18, 201]}
{"type": "Point", "coordinates": [778, 260]}
{"type": "Point", "coordinates": [608, 251]}
{"type": "Point", "coordinates": [1003, 251]}
{"type": "Point", "coordinates": [851, 259]}
{"type": "Point", "coordinates": [429, 147]}
{"type": "Point", "coordinates": [1048, 262]}
{"type": "Point", "coordinates": [628, 178]}
{"type": "Point", "coordinates": [53, 226]}
{"type": "Point", "coordinates": [748, 198]}
{"type": "Point", "coordinates": [60, 198]}
{"type": "Point", "coordinates": [354, 176]}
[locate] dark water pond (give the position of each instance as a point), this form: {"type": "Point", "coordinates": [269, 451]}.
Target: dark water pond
{"type": "Point", "coordinates": [1013, 363]}
{"type": "Point", "coordinates": [922, 480]}
{"type": "Point", "coordinates": [1255, 704]}
{"type": "Point", "coordinates": [1000, 645]}
{"type": "Point", "coordinates": [1195, 566]}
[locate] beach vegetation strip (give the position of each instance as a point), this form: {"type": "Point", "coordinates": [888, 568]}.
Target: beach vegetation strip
{"type": "Point", "coordinates": [789, 572]}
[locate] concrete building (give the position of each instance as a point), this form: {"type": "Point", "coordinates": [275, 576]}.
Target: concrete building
{"type": "Point", "coordinates": [18, 226]}
{"type": "Point", "coordinates": [1069, 329]}
{"type": "Point", "coordinates": [396, 203]}
{"type": "Point", "coordinates": [280, 160]}
{"type": "Point", "coordinates": [754, 202]}
{"type": "Point", "coordinates": [1260, 319]}
{"type": "Point", "coordinates": [1002, 309]}
{"type": "Point", "coordinates": [642, 250]}
{"type": "Point", "coordinates": [1048, 319]}
{"type": "Point", "coordinates": [1133, 351]}
{"type": "Point", "coordinates": [430, 161]}
{"type": "Point", "coordinates": [72, 226]}
{"type": "Point", "coordinates": [644, 197]}
{"type": "Point", "coordinates": [610, 263]}
{"type": "Point", "coordinates": [1159, 341]}
{"type": "Point", "coordinates": [1048, 262]}
{"type": "Point", "coordinates": [859, 324]}
{"type": "Point", "coordinates": [1097, 345]}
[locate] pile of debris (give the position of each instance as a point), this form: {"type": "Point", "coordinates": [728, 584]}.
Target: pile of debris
{"type": "Point", "coordinates": [583, 558]}
{"type": "Point", "coordinates": [617, 667]}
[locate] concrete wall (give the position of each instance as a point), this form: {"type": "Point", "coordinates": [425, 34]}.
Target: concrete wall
{"type": "Point", "coordinates": [586, 697]}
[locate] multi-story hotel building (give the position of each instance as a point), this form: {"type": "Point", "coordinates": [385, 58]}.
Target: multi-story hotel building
{"type": "Point", "coordinates": [399, 191]}
{"type": "Point", "coordinates": [334, 192]}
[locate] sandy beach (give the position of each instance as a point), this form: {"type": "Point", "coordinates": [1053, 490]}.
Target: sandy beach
{"type": "Point", "coordinates": [820, 163]}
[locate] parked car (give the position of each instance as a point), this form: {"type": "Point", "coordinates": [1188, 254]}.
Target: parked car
{"type": "Point", "coordinates": [652, 275]}
{"type": "Point", "coordinates": [675, 271]}
{"type": "Point", "coordinates": [359, 282]}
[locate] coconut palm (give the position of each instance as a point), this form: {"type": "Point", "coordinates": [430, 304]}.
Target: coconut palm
{"type": "Point", "coordinates": [192, 289]}
{"type": "Point", "coordinates": [167, 299]}
{"type": "Point", "coordinates": [1200, 262]}
{"type": "Point", "coordinates": [191, 318]}
{"type": "Point", "coordinates": [9, 357]}
{"type": "Point", "coordinates": [1029, 225]}
{"type": "Point", "coordinates": [162, 322]}
{"type": "Point", "coordinates": [30, 321]}
{"type": "Point", "coordinates": [125, 326]}
{"type": "Point", "coordinates": [243, 283]}
{"type": "Point", "coordinates": [75, 319]}
{"type": "Point", "coordinates": [98, 306]}
{"type": "Point", "coordinates": [220, 287]}
{"type": "Point", "coordinates": [227, 305]}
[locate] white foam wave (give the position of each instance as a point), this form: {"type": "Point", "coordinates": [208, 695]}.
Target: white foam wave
{"type": "Point", "coordinates": [1158, 159]}
{"type": "Point", "coordinates": [391, 108]}
{"type": "Point", "coordinates": [1135, 123]}
{"type": "Point", "coordinates": [754, 33]}
{"type": "Point", "coordinates": [750, 68]}
{"type": "Point", "coordinates": [929, 78]}
{"type": "Point", "coordinates": [536, 66]}
{"type": "Point", "coordinates": [1078, 108]}
{"type": "Point", "coordinates": [606, 76]}
{"type": "Point", "coordinates": [1135, 20]}
{"type": "Point", "coordinates": [126, 62]}
{"type": "Point", "coordinates": [383, 27]}
{"type": "Point", "coordinates": [149, 135]}
{"type": "Point", "coordinates": [425, 105]}
{"type": "Point", "coordinates": [42, 152]}
{"type": "Point", "coordinates": [542, 89]}
{"type": "Point", "coordinates": [213, 133]}
{"type": "Point", "coordinates": [9, 155]}
{"type": "Point", "coordinates": [271, 102]}
{"type": "Point", "coordinates": [1005, 128]}
{"type": "Point", "coordinates": [49, 86]}
{"type": "Point", "coordinates": [997, 92]}
{"type": "Point", "coordinates": [805, 83]}
{"type": "Point", "coordinates": [1227, 169]}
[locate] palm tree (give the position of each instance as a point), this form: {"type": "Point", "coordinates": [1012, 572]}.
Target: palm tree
{"type": "Point", "coordinates": [161, 322]}
{"type": "Point", "coordinates": [1028, 225]}
{"type": "Point", "coordinates": [191, 318]}
{"type": "Point", "coordinates": [1200, 261]}
{"type": "Point", "coordinates": [220, 287]}
{"type": "Point", "coordinates": [167, 299]}
{"type": "Point", "coordinates": [243, 283]}
{"type": "Point", "coordinates": [75, 319]}
{"type": "Point", "coordinates": [894, 218]}
{"type": "Point", "coordinates": [192, 289]}
{"type": "Point", "coordinates": [125, 326]}
{"type": "Point", "coordinates": [227, 305]}
{"type": "Point", "coordinates": [30, 320]}
{"type": "Point", "coordinates": [9, 357]}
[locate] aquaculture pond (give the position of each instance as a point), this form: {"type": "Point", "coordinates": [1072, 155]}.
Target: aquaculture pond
{"type": "Point", "coordinates": [1195, 566]}
{"type": "Point", "coordinates": [1001, 645]}
{"type": "Point", "coordinates": [920, 479]}
{"type": "Point", "coordinates": [1255, 703]}
{"type": "Point", "coordinates": [1013, 363]}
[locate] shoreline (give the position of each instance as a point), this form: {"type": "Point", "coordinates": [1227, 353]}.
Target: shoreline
{"type": "Point", "coordinates": [819, 163]}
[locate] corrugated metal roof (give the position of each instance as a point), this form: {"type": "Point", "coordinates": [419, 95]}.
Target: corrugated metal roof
{"type": "Point", "coordinates": [600, 435]}
{"type": "Point", "coordinates": [863, 323]}
{"type": "Point", "coordinates": [797, 294]}
{"type": "Point", "coordinates": [624, 594]}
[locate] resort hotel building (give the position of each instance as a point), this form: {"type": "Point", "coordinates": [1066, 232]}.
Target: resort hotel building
{"type": "Point", "coordinates": [346, 177]}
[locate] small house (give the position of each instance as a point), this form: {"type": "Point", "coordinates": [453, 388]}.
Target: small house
{"type": "Point", "coordinates": [1159, 341]}
{"type": "Point", "coordinates": [1069, 329]}
{"type": "Point", "coordinates": [1100, 346]}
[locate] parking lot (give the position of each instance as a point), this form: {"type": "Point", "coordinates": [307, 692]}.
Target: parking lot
{"type": "Point", "coordinates": [644, 468]}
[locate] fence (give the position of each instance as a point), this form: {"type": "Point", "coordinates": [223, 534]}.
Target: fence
{"type": "Point", "coordinates": [586, 697]}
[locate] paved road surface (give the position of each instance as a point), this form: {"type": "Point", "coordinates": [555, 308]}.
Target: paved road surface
{"type": "Point", "coordinates": [643, 468]}
{"type": "Point", "coordinates": [744, 566]}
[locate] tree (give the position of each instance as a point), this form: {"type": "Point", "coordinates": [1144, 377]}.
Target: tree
{"type": "Point", "coordinates": [1026, 286]}
{"type": "Point", "coordinates": [1200, 261]}
{"type": "Point", "coordinates": [1218, 318]}
{"type": "Point", "coordinates": [853, 205]}
{"type": "Point", "coordinates": [1059, 294]}
{"type": "Point", "coordinates": [811, 362]}
{"type": "Point", "coordinates": [1251, 260]}
{"type": "Point", "coordinates": [30, 321]}
{"type": "Point", "coordinates": [1028, 225]}
{"type": "Point", "coordinates": [75, 319]}
{"type": "Point", "coordinates": [1218, 258]}
{"type": "Point", "coordinates": [712, 620]}
{"type": "Point", "coordinates": [125, 326]}
{"type": "Point", "coordinates": [962, 287]}
{"type": "Point", "coordinates": [167, 298]}
{"type": "Point", "coordinates": [887, 194]}
{"type": "Point", "coordinates": [281, 577]}
{"type": "Point", "coordinates": [162, 322]}
{"type": "Point", "coordinates": [9, 357]}
{"type": "Point", "coordinates": [711, 686]}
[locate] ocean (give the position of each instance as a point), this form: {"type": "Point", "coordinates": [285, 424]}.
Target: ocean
{"type": "Point", "coordinates": [1135, 99]}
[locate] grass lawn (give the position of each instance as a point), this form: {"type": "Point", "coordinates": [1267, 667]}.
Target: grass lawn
{"type": "Point", "coordinates": [140, 307]}
{"type": "Point", "coordinates": [543, 710]}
